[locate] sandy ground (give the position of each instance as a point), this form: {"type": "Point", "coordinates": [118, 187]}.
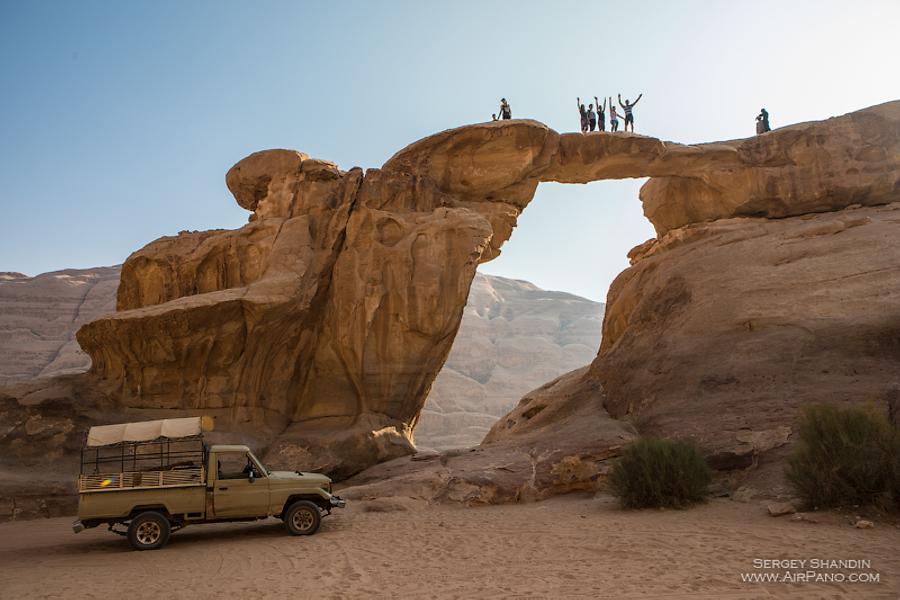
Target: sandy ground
{"type": "Point", "coordinates": [561, 548]}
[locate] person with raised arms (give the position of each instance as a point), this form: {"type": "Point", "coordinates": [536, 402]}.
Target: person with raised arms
{"type": "Point", "coordinates": [628, 107]}
{"type": "Point", "coordinates": [601, 114]}
{"type": "Point", "coordinates": [583, 113]}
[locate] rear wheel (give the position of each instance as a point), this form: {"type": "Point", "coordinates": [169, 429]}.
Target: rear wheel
{"type": "Point", "coordinates": [302, 518]}
{"type": "Point", "coordinates": [149, 531]}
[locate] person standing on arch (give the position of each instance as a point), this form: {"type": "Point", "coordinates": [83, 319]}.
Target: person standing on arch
{"type": "Point", "coordinates": [627, 107]}
{"type": "Point", "coordinates": [505, 110]}
{"type": "Point", "coordinates": [583, 113]}
{"type": "Point", "coordinates": [762, 121]}
{"type": "Point", "coordinates": [613, 117]}
{"type": "Point", "coordinates": [592, 117]}
{"type": "Point", "coordinates": [601, 114]}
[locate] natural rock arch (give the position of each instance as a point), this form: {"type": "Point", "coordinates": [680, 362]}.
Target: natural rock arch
{"type": "Point", "coordinates": [329, 314]}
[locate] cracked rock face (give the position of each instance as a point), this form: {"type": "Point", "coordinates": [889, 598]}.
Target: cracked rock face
{"type": "Point", "coordinates": [327, 316]}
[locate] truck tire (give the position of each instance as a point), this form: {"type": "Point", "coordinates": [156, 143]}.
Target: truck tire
{"type": "Point", "coordinates": [302, 518]}
{"type": "Point", "coordinates": [148, 531]}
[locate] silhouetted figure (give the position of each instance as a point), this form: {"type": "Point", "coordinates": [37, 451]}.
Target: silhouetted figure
{"type": "Point", "coordinates": [613, 117]}
{"type": "Point", "coordinates": [762, 121]}
{"type": "Point", "coordinates": [583, 113]}
{"type": "Point", "coordinates": [601, 114]}
{"type": "Point", "coordinates": [505, 110]}
{"type": "Point", "coordinates": [628, 107]}
{"type": "Point", "coordinates": [494, 117]}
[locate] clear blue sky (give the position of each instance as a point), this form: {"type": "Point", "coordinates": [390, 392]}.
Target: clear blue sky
{"type": "Point", "coordinates": [119, 119]}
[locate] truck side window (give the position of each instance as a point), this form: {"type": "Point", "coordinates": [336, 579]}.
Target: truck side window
{"type": "Point", "coordinates": [234, 465]}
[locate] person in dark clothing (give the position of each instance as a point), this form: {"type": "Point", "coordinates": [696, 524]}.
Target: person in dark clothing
{"type": "Point", "coordinates": [583, 113]}
{"type": "Point", "coordinates": [505, 110]}
{"type": "Point", "coordinates": [601, 114]}
{"type": "Point", "coordinates": [628, 107]}
{"type": "Point", "coordinates": [592, 117]}
{"type": "Point", "coordinates": [762, 121]}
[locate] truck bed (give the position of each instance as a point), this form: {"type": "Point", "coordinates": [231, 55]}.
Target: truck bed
{"type": "Point", "coordinates": [115, 503]}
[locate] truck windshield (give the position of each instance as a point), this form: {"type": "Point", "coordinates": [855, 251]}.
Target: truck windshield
{"type": "Point", "coordinates": [261, 466]}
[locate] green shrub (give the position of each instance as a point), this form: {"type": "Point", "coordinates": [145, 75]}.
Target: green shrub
{"type": "Point", "coordinates": [654, 473]}
{"type": "Point", "coordinates": [844, 456]}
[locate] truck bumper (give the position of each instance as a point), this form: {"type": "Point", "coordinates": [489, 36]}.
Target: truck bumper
{"type": "Point", "coordinates": [337, 502]}
{"type": "Point", "coordinates": [77, 526]}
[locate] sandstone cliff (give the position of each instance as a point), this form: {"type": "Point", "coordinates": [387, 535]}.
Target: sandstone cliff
{"type": "Point", "coordinates": [320, 325]}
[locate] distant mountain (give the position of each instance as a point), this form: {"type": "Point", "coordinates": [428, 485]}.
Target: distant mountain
{"type": "Point", "coordinates": [40, 315]}
{"type": "Point", "coordinates": [514, 337]}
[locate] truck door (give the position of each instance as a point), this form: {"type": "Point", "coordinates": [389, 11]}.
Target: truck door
{"type": "Point", "coordinates": [235, 493]}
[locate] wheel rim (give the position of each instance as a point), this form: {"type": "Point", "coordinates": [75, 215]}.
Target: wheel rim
{"type": "Point", "coordinates": [303, 519]}
{"type": "Point", "coordinates": [148, 533]}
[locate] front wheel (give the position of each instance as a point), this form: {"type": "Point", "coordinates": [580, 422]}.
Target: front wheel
{"type": "Point", "coordinates": [302, 518]}
{"type": "Point", "coordinates": [149, 531]}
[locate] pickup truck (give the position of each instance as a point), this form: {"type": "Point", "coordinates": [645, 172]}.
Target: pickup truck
{"type": "Point", "coordinates": [156, 477]}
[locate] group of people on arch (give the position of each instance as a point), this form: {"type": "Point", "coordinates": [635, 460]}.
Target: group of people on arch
{"type": "Point", "coordinates": [592, 119]}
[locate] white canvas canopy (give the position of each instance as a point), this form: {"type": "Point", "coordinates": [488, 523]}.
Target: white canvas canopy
{"type": "Point", "coordinates": [104, 435]}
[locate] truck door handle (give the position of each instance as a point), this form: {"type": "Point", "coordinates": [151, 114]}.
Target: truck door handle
{"type": "Point", "coordinates": [223, 489]}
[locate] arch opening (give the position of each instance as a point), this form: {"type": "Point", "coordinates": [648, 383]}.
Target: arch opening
{"type": "Point", "coordinates": [535, 312]}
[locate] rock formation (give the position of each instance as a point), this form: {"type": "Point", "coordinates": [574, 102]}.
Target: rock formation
{"type": "Point", "coordinates": [324, 320]}
{"type": "Point", "coordinates": [771, 286]}
{"type": "Point", "coordinates": [771, 314]}
{"type": "Point", "coordinates": [513, 337]}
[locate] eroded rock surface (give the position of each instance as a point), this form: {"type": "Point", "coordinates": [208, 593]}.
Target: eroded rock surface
{"type": "Point", "coordinates": [738, 323]}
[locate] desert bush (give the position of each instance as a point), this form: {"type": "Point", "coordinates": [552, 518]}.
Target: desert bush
{"type": "Point", "coordinates": [844, 456]}
{"type": "Point", "coordinates": [654, 473]}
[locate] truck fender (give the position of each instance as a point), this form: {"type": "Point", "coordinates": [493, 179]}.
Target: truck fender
{"type": "Point", "coordinates": [317, 499]}
{"type": "Point", "coordinates": [160, 508]}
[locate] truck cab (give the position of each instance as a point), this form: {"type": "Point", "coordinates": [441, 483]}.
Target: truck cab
{"type": "Point", "coordinates": [160, 476]}
{"type": "Point", "coordinates": [240, 486]}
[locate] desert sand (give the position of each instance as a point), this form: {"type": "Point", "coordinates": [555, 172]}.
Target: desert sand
{"type": "Point", "coordinates": [562, 548]}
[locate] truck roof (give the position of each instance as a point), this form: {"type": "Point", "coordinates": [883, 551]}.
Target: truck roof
{"type": "Point", "coordinates": [229, 448]}
{"type": "Point", "coordinates": [144, 431]}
